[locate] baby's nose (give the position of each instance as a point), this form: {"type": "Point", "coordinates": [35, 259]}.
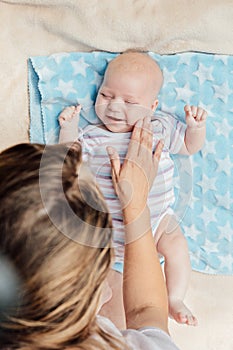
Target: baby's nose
{"type": "Point", "coordinates": [115, 105]}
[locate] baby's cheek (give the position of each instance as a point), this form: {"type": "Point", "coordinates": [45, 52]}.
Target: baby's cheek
{"type": "Point", "coordinates": [135, 113]}
{"type": "Point", "coordinates": [100, 108]}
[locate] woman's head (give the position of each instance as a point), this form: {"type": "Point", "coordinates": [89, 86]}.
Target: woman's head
{"type": "Point", "coordinates": [56, 230]}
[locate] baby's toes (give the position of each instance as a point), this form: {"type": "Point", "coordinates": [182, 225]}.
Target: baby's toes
{"type": "Point", "coordinates": [191, 320]}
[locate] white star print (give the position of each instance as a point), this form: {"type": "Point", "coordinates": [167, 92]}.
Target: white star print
{"type": "Point", "coordinates": [49, 106]}
{"type": "Point", "coordinates": [223, 125]}
{"type": "Point", "coordinates": [208, 215]}
{"type": "Point", "coordinates": [46, 74]}
{"type": "Point", "coordinates": [195, 258]}
{"type": "Point", "coordinates": [207, 183]}
{"type": "Point", "coordinates": [220, 133]}
{"type": "Point", "coordinates": [168, 76]}
{"type": "Point", "coordinates": [66, 87]}
{"type": "Point", "coordinates": [80, 67]}
{"type": "Point", "coordinates": [95, 54]}
{"type": "Point", "coordinates": [168, 109]}
{"type": "Point", "coordinates": [86, 102]}
{"type": "Point", "coordinates": [58, 57]}
{"type": "Point", "coordinates": [222, 91]}
{"type": "Point", "coordinates": [228, 230]}
{"type": "Point", "coordinates": [108, 59]}
{"type": "Point", "coordinates": [204, 73]}
{"type": "Point", "coordinates": [184, 58]}
{"type": "Point", "coordinates": [97, 78]}
{"type": "Point", "coordinates": [192, 201]}
{"type": "Point", "coordinates": [208, 109]}
{"type": "Point", "coordinates": [191, 230]}
{"type": "Point", "coordinates": [212, 246]}
{"type": "Point", "coordinates": [223, 58]}
{"type": "Point", "coordinates": [184, 93]}
{"type": "Point", "coordinates": [225, 201]}
{"type": "Point", "coordinates": [209, 148]}
{"type": "Point", "coordinates": [225, 165]}
{"type": "Point", "coordinates": [226, 262]}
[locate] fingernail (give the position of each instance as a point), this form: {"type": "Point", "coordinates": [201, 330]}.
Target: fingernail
{"type": "Point", "coordinates": [110, 150]}
{"type": "Point", "coordinates": [148, 119]}
{"type": "Point", "coordinates": [139, 123]}
{"type": "Point", "coordinates": [161, 142]}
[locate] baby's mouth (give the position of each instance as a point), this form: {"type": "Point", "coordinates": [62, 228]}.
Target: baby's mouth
{"type": "Point", "coordinates": [114, 118]}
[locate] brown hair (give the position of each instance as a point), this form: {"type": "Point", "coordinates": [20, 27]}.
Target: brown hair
{"type": "Point", "coordinates": [61, 259]}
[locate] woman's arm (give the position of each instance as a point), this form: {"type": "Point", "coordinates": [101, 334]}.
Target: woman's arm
{"type": "Point", "coordinates": [144, 290]}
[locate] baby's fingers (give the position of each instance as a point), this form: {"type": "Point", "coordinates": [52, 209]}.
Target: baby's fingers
{"type": "Point", "coordinates": [187, 109]}
{"type": "Point", "coordinates": [203, 115]}
{"type": "Point", "coordinates": [199, 113]}
{"type": "Point", "coordinates": [78, 108]}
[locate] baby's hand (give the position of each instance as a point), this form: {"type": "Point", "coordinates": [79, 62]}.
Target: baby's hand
{"type": "Point", "coordinates": [195, 116]}
{"type": "Point", "coordinates": [69, 114]}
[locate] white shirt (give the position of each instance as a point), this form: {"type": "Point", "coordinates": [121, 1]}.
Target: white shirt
{"type": "Point", "coordinates": [147, 338]}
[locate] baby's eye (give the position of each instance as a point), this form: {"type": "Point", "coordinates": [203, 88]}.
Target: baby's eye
{"type": "Point", "coordinates": [131, 102]}
{"type": "Point", "coordinates": [108, 97]}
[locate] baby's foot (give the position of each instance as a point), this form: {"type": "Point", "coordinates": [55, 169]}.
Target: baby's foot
{"type": "Point", "coordinates": [181, 313]}
{"type": "Point", "coordinates": [68, 120]}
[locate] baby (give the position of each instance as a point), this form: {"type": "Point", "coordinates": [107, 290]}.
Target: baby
{"type": "Point", "coordinates": [128, 93]}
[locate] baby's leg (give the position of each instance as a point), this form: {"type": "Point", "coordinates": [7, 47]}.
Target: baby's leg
{"type": "Point", "coordinates": [174, 248]}
{"type": "Point", "coordinates": [68, 120]}
{"type": "Point", "coordinates": [114, 308]}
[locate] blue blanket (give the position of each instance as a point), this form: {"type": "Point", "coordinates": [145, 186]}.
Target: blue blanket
{"type": "Point", "coordinates": [204, 182]}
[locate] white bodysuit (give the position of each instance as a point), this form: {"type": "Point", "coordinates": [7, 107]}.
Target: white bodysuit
{"type": "Point", "coordinates": [95, 139]}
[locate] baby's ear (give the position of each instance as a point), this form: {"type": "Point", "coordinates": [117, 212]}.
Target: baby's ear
{"type": "Point", "coordinates": [155, 105]}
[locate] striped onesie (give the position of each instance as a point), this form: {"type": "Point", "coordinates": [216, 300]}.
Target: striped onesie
{"type": "Point", "coordinates": [94, 141]}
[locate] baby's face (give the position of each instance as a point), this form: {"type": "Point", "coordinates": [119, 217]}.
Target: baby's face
{"type": "Point", "coordinates": [123, 98]}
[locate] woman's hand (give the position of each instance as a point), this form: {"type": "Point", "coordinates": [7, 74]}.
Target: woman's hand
{"type": "Point", "coordinates": [133, 179]}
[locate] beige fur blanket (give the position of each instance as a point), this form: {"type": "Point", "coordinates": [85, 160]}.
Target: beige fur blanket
{"type": "Point", "coordinates": [42, 27]}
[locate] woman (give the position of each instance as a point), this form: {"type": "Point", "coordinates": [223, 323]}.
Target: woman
{"type": "Point", "coordinates": [56, 231]}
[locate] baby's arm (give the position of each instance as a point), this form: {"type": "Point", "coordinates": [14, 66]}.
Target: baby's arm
{"type": "Point", "coordinates": [68, 120]}
{"type": "Point", "coordinates": [196, 129]}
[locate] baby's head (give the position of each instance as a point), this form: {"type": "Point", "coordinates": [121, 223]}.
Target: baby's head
{"type": "Point", "coordinates": [129, 91]}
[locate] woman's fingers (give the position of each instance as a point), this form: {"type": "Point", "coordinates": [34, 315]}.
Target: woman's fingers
{"type": "Point", "coordinates": [141, 139]}
{"type": "Point", "coordinates": [158, 150]}
{"type": "Point", "coordinates": [146, 141]}
{"type": "Point", "coordinates": [115, 163]}
{"type": "Point", "coordinates": [134, 143]}
{"type": "Point", "coordinates": [139, 168]}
